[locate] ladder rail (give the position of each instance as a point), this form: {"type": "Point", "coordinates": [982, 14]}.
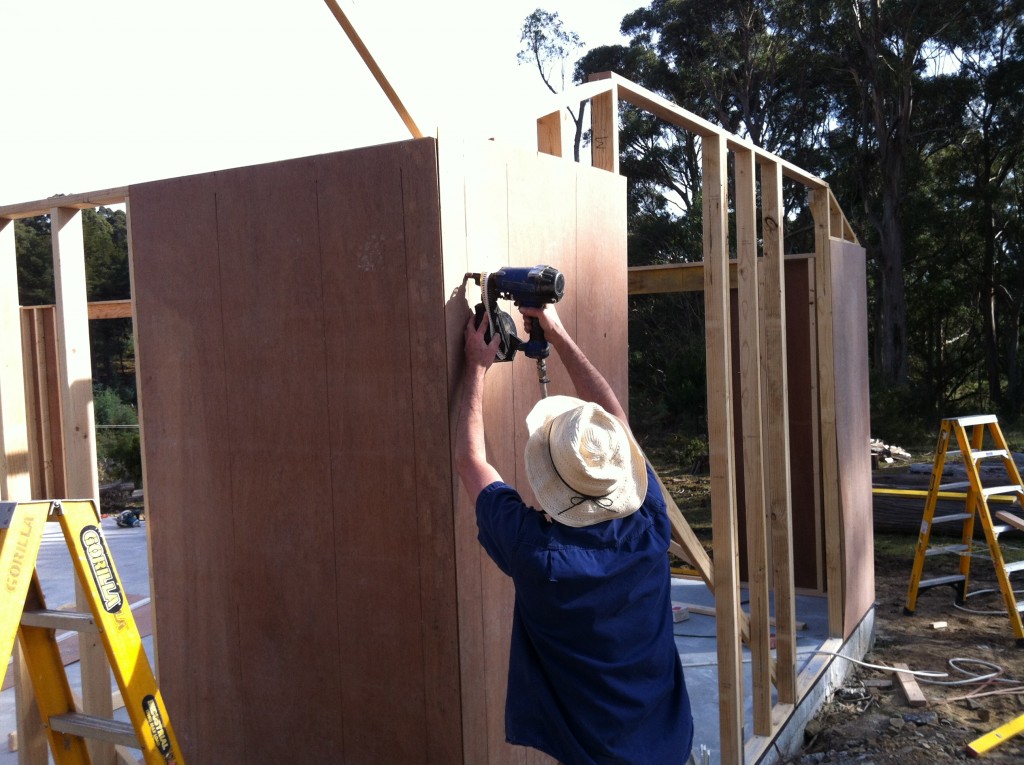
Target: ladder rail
{"type": "Point", "coordinates": [121, 640]}
{"type": "Point", "coordinates": [976, 510]}
{"type": "Point", "coordinates": [21, 534]}
{"type": "Point", "coordinates": [49, 681]}
{"type": "Point", "coordinates": [974, 495]}
{"type": "Point", "coordinates": [924, 535]}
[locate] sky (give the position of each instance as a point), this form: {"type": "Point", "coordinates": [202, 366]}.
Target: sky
{"type": "Point", "coordinates": [107, 93]}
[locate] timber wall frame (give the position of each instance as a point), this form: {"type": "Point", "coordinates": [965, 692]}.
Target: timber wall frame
{"type": "Point", "coordinates": [756, 389]}
{"type": "Point", "coordinates": [843, 477]}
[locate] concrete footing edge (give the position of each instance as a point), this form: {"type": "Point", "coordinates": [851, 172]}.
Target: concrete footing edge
{"type": "Point", "coordinates": [816, 684]}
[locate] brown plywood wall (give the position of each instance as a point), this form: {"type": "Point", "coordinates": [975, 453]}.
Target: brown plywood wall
{"type": "Point", "coordinates": [853, 426]}
{"type": "Point", "coordinates": [320, 593]}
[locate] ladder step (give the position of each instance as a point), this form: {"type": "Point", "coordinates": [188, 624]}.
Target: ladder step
{"type": "Point", "coordinates": [73, 621]}
{"type": "Point", "coordinates": [956, 485]}
{"type": "Point", "coordinates": [98, 728]}
{"type": "Point", "coordinates": [1009, 568]}
{"type": "Point", "coordinates": [982, 454]}
{"type": "Point", "coordinates": [946, 549]}
{"type": "Point", "coordinates": [940, 580]}
{"type": "Point", "coordinates": [1012, 489]}
{"type": "Point", "coordinates": [975, 419]}
{"type": "Point", "coordinates": [950, 518]}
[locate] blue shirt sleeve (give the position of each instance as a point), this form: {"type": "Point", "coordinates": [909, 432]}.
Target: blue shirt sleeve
{"type": "Point", "coordinates": [500, 513]}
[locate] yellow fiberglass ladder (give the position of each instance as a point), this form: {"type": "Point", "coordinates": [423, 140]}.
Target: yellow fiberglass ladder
{"type": "Point", "coordinates": [23, 613]}
{"type": "Point", "coordinates": [974, 449]}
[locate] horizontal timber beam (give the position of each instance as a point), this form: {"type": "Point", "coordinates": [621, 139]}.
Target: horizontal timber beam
{"type": "Point", "coordinates": [85, 201]}
{"type": "Point", "coordinates": [663, 108]}
{"type": "Point", "coordinates": [102, 309]}
{"type": "Point", "coordinates": [678, 277]}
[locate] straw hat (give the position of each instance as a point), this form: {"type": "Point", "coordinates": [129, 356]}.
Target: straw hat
{"type": "Point", "coordinates": [582, 462]}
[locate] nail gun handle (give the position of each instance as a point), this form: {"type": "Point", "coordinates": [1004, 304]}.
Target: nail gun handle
{"type": "Point", "coordinates": [538, 347]}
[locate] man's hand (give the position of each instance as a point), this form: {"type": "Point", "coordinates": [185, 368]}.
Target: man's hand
{"type": "Point", "coordinates": [548, 318]}
{"type": "Point", "coordinates": [589, 383]}
{"type": "Point", "coordinates": [478, 352]}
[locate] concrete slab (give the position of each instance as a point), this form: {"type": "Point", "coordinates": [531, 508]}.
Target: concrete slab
{"type": "Point", "coordinates": [695, 636]}
{"type": "Point", "coordinates": [695, 639]}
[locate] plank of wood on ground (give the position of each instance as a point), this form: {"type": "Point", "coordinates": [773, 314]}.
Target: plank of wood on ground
{"type": "Point", "coordinates": [915, 696]}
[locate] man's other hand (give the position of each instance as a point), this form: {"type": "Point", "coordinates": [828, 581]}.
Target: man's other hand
{"type": "Point", "coordinates": [478, 351]}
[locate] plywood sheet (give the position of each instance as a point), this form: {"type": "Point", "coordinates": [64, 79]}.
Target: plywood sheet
{"type": "Point", "coordinates": [291, 423]}
{"type": "Point", "coordinates": [300, 338]}
{"type": "Point", "coordinates": [853, 428]}
{"type": "Point", "coordinates": [190, 509]}
{"type": "Point", "coordinates": [392, 495]}
{"type": "Point", "coordinates": [277, 439]}
{"type": "Point", "coordinates": [511, 207]}
{"type": "Point", "coordinates": [801, 392]}
{"type": "Point", "coordinates": [801, 366]}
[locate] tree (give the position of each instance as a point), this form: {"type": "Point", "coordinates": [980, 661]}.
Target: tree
{"type": "Point", "coordinates": [910, 110]}
{"type": "Point", "coordinates": [881, 52]}
{"type": "Point", "coordinates": [105, 237]}
{"type": "Point", "coordinates": [34, 261]}
{"type": "Point", "coordinates": [548, 45]}
{"type": "Point", "coordinates": [990, 150]}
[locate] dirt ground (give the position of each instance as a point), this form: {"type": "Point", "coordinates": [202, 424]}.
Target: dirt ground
{"type": "Point", "coordinates": [870, 721]}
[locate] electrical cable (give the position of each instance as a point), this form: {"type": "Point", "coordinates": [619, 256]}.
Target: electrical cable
{"type": "Point", "coordinates": [971, 677]}
{"type": "Point", "coordinates": [926, 676]}
{"type": "Point", "coordinates": [978, 612]}
{"type": "Point", "coordinates": [884, 668]}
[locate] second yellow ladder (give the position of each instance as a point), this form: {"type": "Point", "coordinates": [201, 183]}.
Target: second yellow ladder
{"type": "Point", "coordinates": [974, 448]}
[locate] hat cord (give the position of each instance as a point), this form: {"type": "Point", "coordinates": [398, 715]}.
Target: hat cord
{"type": "Point", "coordinates": [604, 500]}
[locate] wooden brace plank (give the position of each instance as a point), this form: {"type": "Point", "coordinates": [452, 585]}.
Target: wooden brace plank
{"type": "Point", "coordinates": [912, 691]}
{"type": "Point", "coordinates": [371, 64]}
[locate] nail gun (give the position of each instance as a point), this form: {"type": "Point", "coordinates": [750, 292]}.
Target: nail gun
{"type": "Point", "coordinates": [534, 287]}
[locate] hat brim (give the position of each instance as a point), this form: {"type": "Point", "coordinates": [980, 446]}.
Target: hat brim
{"type": "Point", "coordinates": [559, 501]}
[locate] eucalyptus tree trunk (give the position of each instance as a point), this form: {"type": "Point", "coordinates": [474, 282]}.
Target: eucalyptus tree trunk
{"type": "Point", "coordinates": [884, 75]}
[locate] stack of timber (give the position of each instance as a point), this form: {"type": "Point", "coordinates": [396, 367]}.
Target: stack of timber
{"type": "Point", "coordinates": [902, 513]}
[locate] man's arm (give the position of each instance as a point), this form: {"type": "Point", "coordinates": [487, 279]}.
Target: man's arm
{"type": "Point", "coordinates": [475, 472]}
{"type": "Point", "coordinates": [589, 382]}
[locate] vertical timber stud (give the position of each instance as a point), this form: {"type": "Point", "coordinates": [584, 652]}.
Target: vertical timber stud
{"type": "Point", "coordinates": [821, 211]}
{"type": "Point", "coordinates": [15, 478]}
{"type": "Point", "coordinates": [75, 372]}
{"type": "Point", "coordinates": [604, 115]}
{"type": "Point", "coordinates": [753, 451]}
{"type": "Point", "coordinates": [777, 436]}
{"type": "Point", "coordinates": [15, 481]}
{"type": "Point", "coordinates": [721, 446]}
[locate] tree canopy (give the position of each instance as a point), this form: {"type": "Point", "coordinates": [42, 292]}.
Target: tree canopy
{"type": "Point", "coordinates": [105, 234]}
{"type": "Point", "coordinates": [911, 111]}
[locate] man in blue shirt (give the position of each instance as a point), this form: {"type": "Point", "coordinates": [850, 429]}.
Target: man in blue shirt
{"type": "Point", "coordinates": [594, 674]}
